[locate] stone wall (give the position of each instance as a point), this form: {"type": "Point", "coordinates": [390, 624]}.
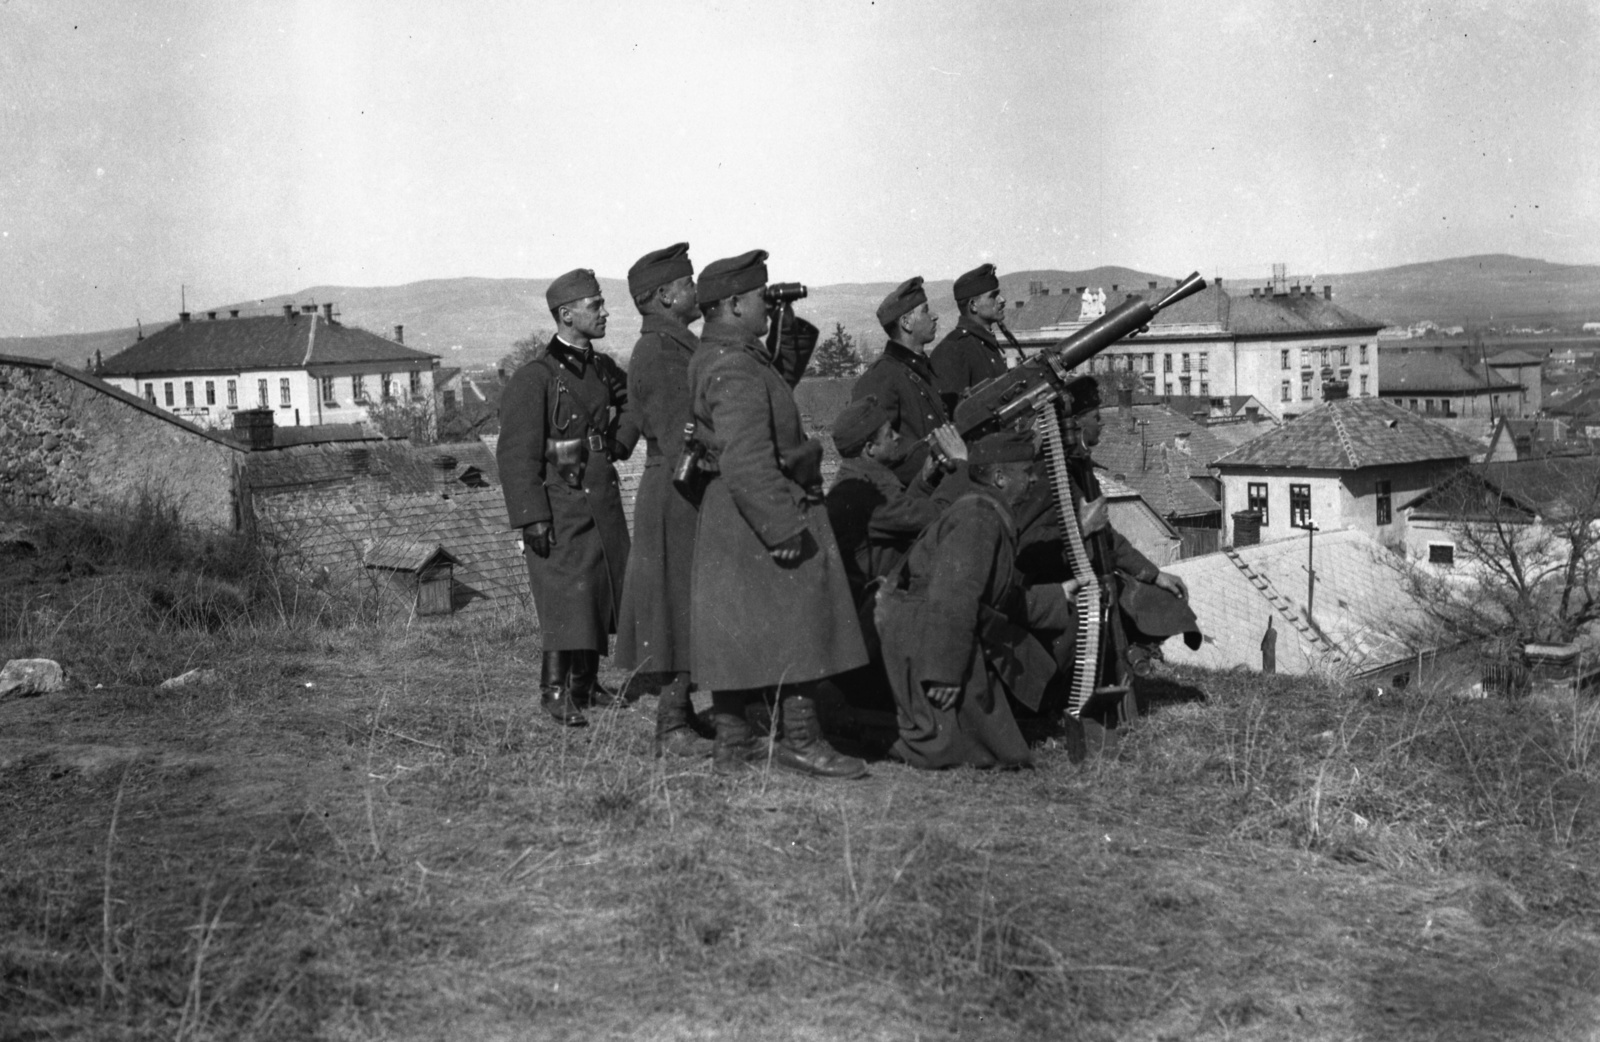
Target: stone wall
{"type": "Point", "coordinates": [70, 440]}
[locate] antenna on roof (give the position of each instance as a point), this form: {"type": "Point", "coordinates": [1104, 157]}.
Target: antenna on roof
{"type": "Point", "coordinates": [141, 328]}
{"type": "Point", "coordinates": [183, 301]}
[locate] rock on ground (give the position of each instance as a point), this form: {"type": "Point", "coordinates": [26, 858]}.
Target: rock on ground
{"type": "Point", "coordinates": [31, 676]}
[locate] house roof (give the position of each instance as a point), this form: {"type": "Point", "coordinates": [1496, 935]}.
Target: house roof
{"type": "Point", "coordinates": [1161, 458]}
{"type": "Point", "coordinates": [390, 467]}
{"type": "Point", "coordinates": [1242, 315]}
{"type": "Point", "coordinates": [405, 555]}
{"type": "Point", "coordinates": [1436, 370]}
{"type": "Point", "coordinates": [1362, 606]}
{"type": "Point", "coordinates": [1550, 486]}
{"type": "Point", "coordinates": [1514, 357]}
{"type": "Point", "coordinates": [1188, 405]}
{"type": "Point", "coordinates": [1584, 402]}
{"type": "Point", "coordinates": [259, 342]}
{"type": "Point", "coordinates": [1349, 434]}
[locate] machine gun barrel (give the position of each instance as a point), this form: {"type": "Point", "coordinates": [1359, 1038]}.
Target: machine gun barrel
{"type": "Point", "coordinates": [1005, 399]}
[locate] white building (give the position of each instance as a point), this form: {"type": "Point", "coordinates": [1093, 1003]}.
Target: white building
{"type": "Point", "coordinates": [1277, 343]}
{"type": "Point", "coordinates": [305, 366]}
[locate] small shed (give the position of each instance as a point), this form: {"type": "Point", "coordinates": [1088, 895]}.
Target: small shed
{"type": "Point", "coordinates": [423, 572]}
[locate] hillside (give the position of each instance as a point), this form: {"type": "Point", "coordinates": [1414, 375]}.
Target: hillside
{"type": "Point", "coordinates": [473, 321]}
{"type": "Point", "coordinates": [362, 827]}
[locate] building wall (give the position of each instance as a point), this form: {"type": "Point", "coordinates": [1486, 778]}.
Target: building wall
{"type": "Point", "coordinates": [1459, 404]}
{"type": "Point", "coordinates": [1134, 519]}
{"type": "Point", "coordinates": [1531, 399]}
{"type": "Point", "coordinates": [1339, 499]}
{"type": "Point", "coordinates": [304, 405]}
{"type": "Point", "coordinates": [64, 442]}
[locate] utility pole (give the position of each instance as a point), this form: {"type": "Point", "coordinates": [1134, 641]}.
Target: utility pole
{"type": "Point", "coordinates": [1311, 564]}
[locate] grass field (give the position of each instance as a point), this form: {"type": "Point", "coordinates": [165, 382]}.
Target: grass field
{"type": "Point", "coordinates": [363, 830]}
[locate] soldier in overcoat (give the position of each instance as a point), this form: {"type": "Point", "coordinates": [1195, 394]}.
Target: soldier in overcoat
{"type": "Point", "coordinates": [653, 631]}
{"type": "Point", "coordinates": [902, 378]}
{"type": "Point", "coordinates": [771, 601]}
{"type": "Point", "coordinates": [969, 354]}
{"type": "Point", "coordinates": [561, 425]}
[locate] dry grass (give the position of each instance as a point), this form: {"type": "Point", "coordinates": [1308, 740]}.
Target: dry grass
{"type": "Point", "coordinates": [368, 831]}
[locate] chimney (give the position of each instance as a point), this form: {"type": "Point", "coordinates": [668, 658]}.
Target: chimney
{"type": "Point", "coordinates": [1327, 292]}
{"type": "Point", "coordinates": [444, 474]}
{"type": "Point", "coordinates": [1113, 287]}
{"type": "Point", "coordinates": [1217, 281]}
{"type": "Point", "coordinates": [327, 313]}
{"type": "Point", "coordinates": [183, 316]}
{"type": "Point", "coordinates": [1081, 289]}
{"type": "Point", "coordinates": [308, 309]}
{"type": "Point", "coordinates": [211, 316]}
{"type": "Point", "coordinates": [1335, 390]}
{"type": "Point", "coordinates": [501, 372]}
{"type": "Point", "coordinates": [233, 313]}
{"type": "Point", "coordinates": [99, 363]}
{"type": "Point", "coordinates": [288, 312]}
{"type": "Point", "coordinates": [254, 427]}
{"type": "Point", "coordinates": [1152, 284]}
{"type": "Point", "coordinates": [1246, 527]}
{"type": "Point", "coordinates": [359, 461]}
{"type": "Point", "coordinates": [399, 334]}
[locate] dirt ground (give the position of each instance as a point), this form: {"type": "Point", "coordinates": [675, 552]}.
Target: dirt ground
{"type": "Point", "coordinates": [363, 829]}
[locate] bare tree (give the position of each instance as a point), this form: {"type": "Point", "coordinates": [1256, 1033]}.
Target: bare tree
{"type": "Point", "coordinates": [1526, 556]}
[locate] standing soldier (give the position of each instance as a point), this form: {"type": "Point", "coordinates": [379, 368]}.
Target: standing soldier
{"type": "Point", "coordinates": [902, 378]}
{"type": "Point", "coordinates": [560, 428]}
{"type": "Point", "coordinates": [653, 632]}
{"type": "Point", "coordinates": [771, 601]}
{"type": "Point", "coordinates": [970, 354]}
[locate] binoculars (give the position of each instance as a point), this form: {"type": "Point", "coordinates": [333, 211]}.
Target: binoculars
{"type": "Point", "coordinates": [781, 293]}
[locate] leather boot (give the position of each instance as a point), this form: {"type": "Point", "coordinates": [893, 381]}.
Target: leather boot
{"type": "Point", "coordinates": [802, 747]}
{"type": "Point", "coordinates": [595, 695]}
{"type": "Point", "coordinates": [736, 749]}
{"type": "Point", "coordinates": [675, 719]}
{"type": "Point", "coordinates": [555, 690]}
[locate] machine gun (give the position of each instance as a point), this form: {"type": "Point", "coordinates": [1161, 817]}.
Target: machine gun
{"type": "Point", "coordinates": [1041, 379]}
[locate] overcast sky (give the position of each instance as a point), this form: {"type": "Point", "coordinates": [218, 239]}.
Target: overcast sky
{"type": "Point", "coordinates": [253, 148]}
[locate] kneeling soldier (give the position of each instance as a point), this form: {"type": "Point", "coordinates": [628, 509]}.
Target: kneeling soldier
{"type": "Point", "coordinates": [771, 603]}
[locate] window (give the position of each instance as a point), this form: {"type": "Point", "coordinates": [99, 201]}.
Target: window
{"type": "Point", "coordinates": [1430, 406]}
{"type": "Point", "coordinates": [261, 393]}
{"type": "Point", "coordinates": [1305, 387]}
{"type": "Point", "coordinates": [1299, 505]}
{"type": "Point", "coordinates": [211, 392]}
{"type": "Point", "coordinates": [1305, 359]}
{"type": "Point", "coordinates": [233, 394]}
{"type": "Point", "coordinates": [1442, 553]}
{"type": "Point", "coordinates": [1323, 358]}
{"type": "Point", "coordinates": [1205, 361]}
{"type": "Point", "coordinates": [167, 388]}
{"type": "Point", "coordinates": [416, 384]}
{"type": "Point", "coordinates": [449, 400]}
{"type": "Point", "coordinates": [1205, 389]}
{"type": "Point", "coordinates": [150, 393]}
{"type": "Point", "coordinates": [1183, 382]}
{"type": "Point", "coordinates": [1385, 503]}
{"type": "Point", "coordinates": [1363, 354]}
{"type": "Point", "coordinates": [1256, 498]}
{"type": "Point", "coordinates": [327, 391]}
{"type": "Point", "coordinates": [284, 398]}
{"type": "Point", "coordinates": [358, 388]}
{"type": "Point", "coordinates": [1186, 361]}
{"type": "Point", "coordinates": [188, 394]}
{"type": "Point", "coordinates": [1283, 394]}
{"type": "Point", "coordinates": [1413, 405]}
{"type": "Point", "coordinates": [1150, 362]}
{"type": "Point", "coordinates": [1344, 355]}
{"type": "Point", "coordinates": [1363, 385]}
{"type": "Point", "coordinates": [1169, 362]}
{"type": "Point", "coordinates": [387, 381]}
{"type": "Point", "coordinates": [1283, 359]}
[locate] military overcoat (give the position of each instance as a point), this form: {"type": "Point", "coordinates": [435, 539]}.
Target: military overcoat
{"type": "Point", "coordinates": [903, 382]}
{"type": "Point", "coordinates": [969, 354]}
{"type": "Point", "coordinates": [756, 622]}
{"type": "Point", "coordinates": [653, 630]}
{"type": "Point", "coordinates": [875, 518]}
{"type": "Point", "coordinates": [568, 394]}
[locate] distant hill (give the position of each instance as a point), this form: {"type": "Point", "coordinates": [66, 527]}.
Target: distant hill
{"type": "Point", "coordinates": [472, 322]}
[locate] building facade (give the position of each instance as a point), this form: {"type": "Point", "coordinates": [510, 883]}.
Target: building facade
{"type": "Point", "coordinates": [1279, 343]}
{"type": "Point", "coordinates": [303, 364]}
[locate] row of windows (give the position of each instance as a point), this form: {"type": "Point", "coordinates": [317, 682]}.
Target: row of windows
{"type": "Point", "coordinates": [1323, 356]}
{"type": "Point", "coordinates": [1285, 391]}
{"type": "Point", "coordinates": [1256, 499]}
{"type": "Point", "coordinates": [285, 397]}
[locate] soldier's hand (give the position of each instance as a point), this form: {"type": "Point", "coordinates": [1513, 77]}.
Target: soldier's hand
{"type": "Point", "coordinates": [788, 551]}
{"type": "Point", "coordinates": [539, 538]}
{"type": "Point", "coordinates": [1173, 585]}
{"type": "Point", "coordinates": [943, 696]}
{"type": "Point", "coordinates": [950, 442]}
{"type": "Point", "coordinates": [1092, 515]}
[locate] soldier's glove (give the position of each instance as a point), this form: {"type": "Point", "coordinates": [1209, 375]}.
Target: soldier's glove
{"type": "Point", "coordinates": [539, 538]}
{"type": "Point", "coordinates": [788, 551]}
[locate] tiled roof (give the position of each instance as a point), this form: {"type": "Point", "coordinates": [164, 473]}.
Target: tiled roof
{"type": "Point", "coordinates": [1362, 606]}
{"type": "Point", "coordinates": [258, 342]}
{"type": "Point", "coordinates": [1239, 314]}
{"type": "Point", "coordinates": [1349, 434]}
{"type": "Point", "coordinates": [1403, 370]}
{"type": "Point", "coordinates": [1514, 357]}
{"type": "Point", "coordinates": [1161, 458]}
{"type": "Point", "coordinates": [1551, 486]}
{"type": "Point", "coordinates": [394, 466]}
{"type": "Point", "coordinates": [333, 531]}
{"type": "Point", "coordinates": [404, 555]}
{"type": "Point", "coordinates": [1584, 403]}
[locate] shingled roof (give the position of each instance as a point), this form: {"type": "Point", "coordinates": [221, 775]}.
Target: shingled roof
{"type": "Point", "coordinates": [1349, 434]}
{"type": "Point", "coordinates": [1241, 314]}
{"type": "Point", "coordinates": [1160, 459]}
{"type": "Point", "coordinates": [258, 342]}
{"type": "Point", "coordinates": [1436, 370]}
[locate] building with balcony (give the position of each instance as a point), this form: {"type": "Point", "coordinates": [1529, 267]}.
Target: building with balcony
{"type": "Point", "coordinates": [302, 363]}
